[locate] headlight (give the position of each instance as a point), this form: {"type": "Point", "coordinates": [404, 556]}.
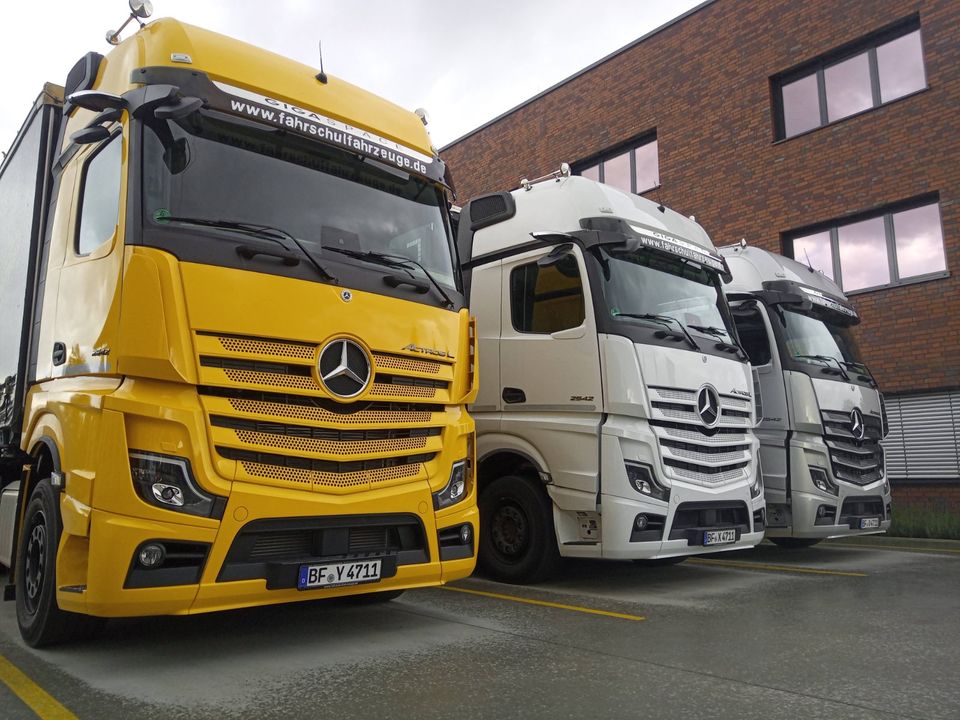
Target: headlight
{"type": "Point", "coordinates": [166, 482]}
{"type": "Point", "coordinates": [642, 479]}
{"type": "Point", "coordinates": [757, 486]}
{"type": "Point", "coordinates": [822, 481]}
{"type": "Point", "coordinates": [456, 487]}
{"type": "Point", "coordinates": [886, 487]}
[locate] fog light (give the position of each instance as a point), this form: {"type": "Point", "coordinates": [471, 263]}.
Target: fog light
{"type": "Point", "coordinates": [168, 494]}
{"type": "Point", "coordinates": [152, 555]}
{"type": "Point", "coordinates": [641, 522]}
{"type": "Point", "coordinates": [822, 481]}
{"type": "Point", "coordinates": [466, 534]}
{"type": "Point", "coordinates": [642, 479]}
{"type": "Point", "coordinates": [456, 488]}
{"type": "Point", "coordinates": [821, 511]}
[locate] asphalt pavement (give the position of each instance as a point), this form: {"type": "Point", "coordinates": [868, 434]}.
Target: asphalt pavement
{"type": "Point", "coordinates": [855, 629]}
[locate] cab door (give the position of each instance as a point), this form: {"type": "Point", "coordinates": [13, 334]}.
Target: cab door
{"type": "Point", "coordinates": [756, 335]}
{"type": "Point", "coordinates": [550, 364]}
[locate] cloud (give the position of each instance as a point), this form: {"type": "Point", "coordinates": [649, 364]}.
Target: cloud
{"type": "Point", "coordinates": [464, 62]}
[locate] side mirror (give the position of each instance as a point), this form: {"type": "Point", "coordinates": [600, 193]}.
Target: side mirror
{"type": "Point", "coordinates": [90, 135]}
{"type": "Point", "coordinates": [96, 100]}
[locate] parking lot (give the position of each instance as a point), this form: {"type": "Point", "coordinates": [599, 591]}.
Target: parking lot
{"type": "Point", "coordinates": [839, 630]}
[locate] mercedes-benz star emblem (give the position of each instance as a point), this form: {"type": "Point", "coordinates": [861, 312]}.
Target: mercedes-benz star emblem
{"type": "Point", "coordinates": [708, 405]}
{"type": "Point", "coordinates": [344, 368]}
{"type": "Point", "coordinates": [857, 426]}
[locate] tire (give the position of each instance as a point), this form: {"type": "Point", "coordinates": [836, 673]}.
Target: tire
{"type": "Point", "coordinates": [661, 562]}
{"type": "Point", "coordinates": [518, 543]}
{"type": "Point", "coordinates": [42, 622]}
{"type": "Point", "coordinates": [790, 543]}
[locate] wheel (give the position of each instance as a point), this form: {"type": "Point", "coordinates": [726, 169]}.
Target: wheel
{"type": "Point", "coordinates": [41, 620]}
{"type": "Point", "coordinates": [517, 541]}
{"type": "Point", "coordinates": [661, 562]}
{"type": "Point", "coordinates": [789, 543]}
{"type": "Point", "coordinates": [376, 597]}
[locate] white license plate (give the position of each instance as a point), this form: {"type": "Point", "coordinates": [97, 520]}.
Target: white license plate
{"type": "Point", "coordinates": [333, 575]}
{"type": "Point", "coordinates": [719, 537]}
{"type": "Point", "coordinates": [866, 523]}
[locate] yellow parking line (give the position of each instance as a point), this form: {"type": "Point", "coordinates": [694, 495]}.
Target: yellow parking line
{"type": "Point", "coordinates": [773, 568]}
{"type": "Point", "coordinates": [34, 696]}
{"type": "Point", "coordinates": [546, 603]}
{"type": "Point", "coordinates": [893, 547]}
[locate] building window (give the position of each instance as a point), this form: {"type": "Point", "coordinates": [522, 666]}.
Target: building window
{"type": "Point", "coordinates": [100, 197]}
{"type": "Point", "coordinates": [901, 244]}
{"type": "Point", "coordinates": [877, 70]}
{"type": "Point", "coordinates": [547, 299]}
{"type": "Point", "coordinates": [633, 169]}
{"type": "Point", "coordinates": [924, 438]}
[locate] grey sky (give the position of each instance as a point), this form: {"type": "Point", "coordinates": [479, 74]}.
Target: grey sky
{"type": "Point", "coordinates": [465, 62]}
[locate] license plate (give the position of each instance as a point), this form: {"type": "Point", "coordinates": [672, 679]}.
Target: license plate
{"type": "Point", "coordinates": [333, 575]}
{"type": "Point", "coordinates": [719, 537]}
{"type": "Point", "coordinates": [866, 523]}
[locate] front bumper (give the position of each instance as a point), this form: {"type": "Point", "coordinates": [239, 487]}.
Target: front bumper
{"type": "Point", "coordinates": [114, 540]}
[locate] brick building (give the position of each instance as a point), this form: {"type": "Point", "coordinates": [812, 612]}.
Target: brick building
{"type": "Point", "coordinates": [826, 131]}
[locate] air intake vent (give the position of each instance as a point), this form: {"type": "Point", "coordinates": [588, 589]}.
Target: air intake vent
{"type": "Point", "coordinates": [491, 209]}
{"type": "Point", "coordinates": [757, 397]}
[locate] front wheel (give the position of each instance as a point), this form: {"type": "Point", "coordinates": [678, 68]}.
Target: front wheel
{"type": "Point", "coordinates": [41, 620]}
{"type": "Point", "coordinates": [517, 541]}
{"type": "Point", "coordinates": [789, 543]}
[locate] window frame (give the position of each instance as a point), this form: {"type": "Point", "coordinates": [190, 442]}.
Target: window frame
{"type": "Point", "coordinates": [821, 63]}
{"type": "Point", "coordinates": [886, 212]}
{"type": "Point", "coordinates": [521, 267]}
{"type": "Point", "coordinates": [81, 191]}
{"type": "Point", "coordinates": [631, 146]}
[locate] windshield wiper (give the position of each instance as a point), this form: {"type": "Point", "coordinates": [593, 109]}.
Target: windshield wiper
{"type": "Point", "coordinates": [664, 320]}
{"type": "Point", "coordinates": [398, 261]}
{"type": "Point", "coordinates": [720, 333]}
{"type": "Point", "coordinates": [267, 232]}
{"type": "Point", "coordinates": [827, 359]}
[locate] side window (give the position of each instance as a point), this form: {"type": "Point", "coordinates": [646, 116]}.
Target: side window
{"type": "Point", "coordinates": [753, 335]}
{"type": "Point", "coordinates": [546, 299]}
{"type": "Point", "coordinates": [99, 198]}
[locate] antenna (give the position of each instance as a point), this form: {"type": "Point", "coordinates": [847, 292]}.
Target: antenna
{"type": "Point", "coordinates": [807, 256]}
{"type": "Point", "coordinates": [321, 76]}
{"type": "Point", "coordinates": [660, 205]}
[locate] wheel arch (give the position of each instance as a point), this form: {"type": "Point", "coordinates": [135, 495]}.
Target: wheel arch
{"type": "Point", "coordinates": [509, 455]}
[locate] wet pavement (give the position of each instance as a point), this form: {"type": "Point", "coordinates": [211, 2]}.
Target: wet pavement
{"type": "Point", "coordinates": [839, 630]}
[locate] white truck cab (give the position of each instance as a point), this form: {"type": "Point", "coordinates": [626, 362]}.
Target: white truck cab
{"type": "Point", "coordinates": [823, 415]}
{"type": "Point", "coordinates": [616, 407]}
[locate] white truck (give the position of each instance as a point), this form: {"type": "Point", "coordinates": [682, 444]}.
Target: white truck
{"type": "Point", "coordinates": [616, 406]}
{"type": "Point", "coordinates": [823, 464]}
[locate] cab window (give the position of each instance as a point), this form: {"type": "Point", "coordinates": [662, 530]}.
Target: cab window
{"type": "Point", "coordinates": [99, 197]}
{"type": "Point", "coordinates": [546, 299]}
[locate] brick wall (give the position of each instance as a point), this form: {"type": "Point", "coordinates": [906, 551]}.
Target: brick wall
{"type": "Point", "coordinates": [703, 85]}
{"type": "Point", "coordinates": [942, 497]}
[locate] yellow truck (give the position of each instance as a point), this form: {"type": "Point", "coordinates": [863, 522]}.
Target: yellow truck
{"type": "Point", "coordinates": [235, 352]}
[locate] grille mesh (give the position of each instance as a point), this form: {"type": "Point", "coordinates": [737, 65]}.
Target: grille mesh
{"type": "Point", "coordinates": [250, 346]}
{"type": "Point", "coordinates": [331, 480]}
{"type": "Point", "coordinates": [397, 390]}
{"type": "Point", "coordinates": [303, 412]}
{"type": "Point", "coordinates": [394, 362]}
{"type": "Point", "coordinates": [331, 447]}
{"type": "Point", "coordinates": [250, 377]}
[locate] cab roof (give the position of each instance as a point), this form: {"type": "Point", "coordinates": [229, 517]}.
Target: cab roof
{"type": "Point", "coordinates": [753, 266]}
{"type": "Point", "coordinates": [252, 68]}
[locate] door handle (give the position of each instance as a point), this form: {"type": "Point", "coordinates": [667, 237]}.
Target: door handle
{"type": "Point", "coordinates": [512, 396]}
{"type": "Point", "coordinates": [59, 353]}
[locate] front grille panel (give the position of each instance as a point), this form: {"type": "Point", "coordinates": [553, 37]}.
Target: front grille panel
{"type": "Point", "coordinates": [274, 548]}
{"type": "Point", "coordinates": [692, 518]}
{"type": "Point", "coordinates": [693, 452]}
{"type": "Point", "coordinates": [854, 507]}
{"type": "Point", "coordinates": [272, 422]}
{"type": "Point", "coordinates": [855, 461]}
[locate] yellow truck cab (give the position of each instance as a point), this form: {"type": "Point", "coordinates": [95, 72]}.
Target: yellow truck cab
{"type": "Point", "coordinates": [241, 369]}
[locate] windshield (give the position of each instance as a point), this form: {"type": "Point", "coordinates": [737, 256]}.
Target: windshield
{"type": "Point", "coordinates": [645, 282]}
{"type": "Point", "coordinates": [806, 336]}
{"type": "Point", "coordinates": [205, 167]}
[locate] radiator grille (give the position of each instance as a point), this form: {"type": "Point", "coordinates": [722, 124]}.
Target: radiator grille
{"type": "Point", "coordinates": [855, 461]}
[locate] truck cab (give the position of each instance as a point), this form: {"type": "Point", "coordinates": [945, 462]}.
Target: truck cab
{"type": "Point", "coordinates": [615, 407]}
{"type": "Point", "coordinates": [823, 416]}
